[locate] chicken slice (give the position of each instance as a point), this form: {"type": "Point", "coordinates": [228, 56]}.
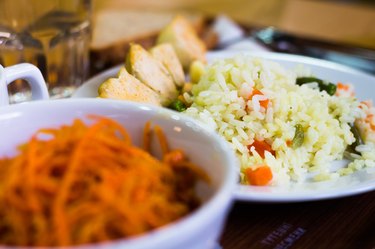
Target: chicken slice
{"type": "Point", "coordinates": [127, 87]}
{"type": "Point", "coordinates": [182, 36]}
{"type": "Point", "coordinates": [166, 54]}
{"type": "Point", "coordinates": [151, 72]}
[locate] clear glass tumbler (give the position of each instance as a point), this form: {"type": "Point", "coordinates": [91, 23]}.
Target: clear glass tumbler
{"type": "Point", "coordinates": [54, 35]}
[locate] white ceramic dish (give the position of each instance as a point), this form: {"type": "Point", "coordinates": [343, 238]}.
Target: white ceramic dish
{"type": "Point", "coordinates": [199, 230]}
{"type": "Point", "coordinates": [360, 182]}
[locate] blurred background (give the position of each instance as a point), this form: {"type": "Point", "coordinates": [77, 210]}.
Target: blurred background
{"type": "Point", "coordinates": [345, 21]}
{"type": "Point", "coordinates": [342, 31]}
{"type": "Point", "coordinates": [73, 40]}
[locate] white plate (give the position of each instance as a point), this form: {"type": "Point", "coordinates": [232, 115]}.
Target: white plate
{"type": "Point", "coordinates": [360, 182]}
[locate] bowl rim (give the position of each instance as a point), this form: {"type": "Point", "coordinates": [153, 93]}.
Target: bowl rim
{"type": "Point", "coordinates": [220, 201]}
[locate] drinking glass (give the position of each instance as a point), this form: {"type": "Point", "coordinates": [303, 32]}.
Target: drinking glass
{"type": "Point", "coordinates": [54, 35]}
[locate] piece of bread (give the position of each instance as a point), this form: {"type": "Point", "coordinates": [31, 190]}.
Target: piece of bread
{"type": "Point", "coordinates": [114, 29]}
{"type": "Point", "coordinates": [142, 65]}
{"type": "Point", "coordinates": [166, 54]}
{"type": "Point", "coordinates": [127, 87]}
{"type": "Point", "coordinates": [184, 39]}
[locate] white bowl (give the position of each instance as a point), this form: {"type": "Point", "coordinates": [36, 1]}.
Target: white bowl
{"type": "Point", "coordinates": [199, 230]}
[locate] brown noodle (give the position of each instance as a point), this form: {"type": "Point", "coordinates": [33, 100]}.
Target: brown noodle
{"type": "Point", "coordinates": [87, 184]}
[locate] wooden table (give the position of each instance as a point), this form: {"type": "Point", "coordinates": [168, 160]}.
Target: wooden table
{"type": "Point", "coordinates": [339, 223]}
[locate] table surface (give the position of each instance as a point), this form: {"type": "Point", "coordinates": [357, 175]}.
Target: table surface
{"type": "Point", "coordinates": [338, 223]}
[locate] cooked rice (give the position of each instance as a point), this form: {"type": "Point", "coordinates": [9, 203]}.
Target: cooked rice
{"type": "Point", "coordinates": [221, 101]}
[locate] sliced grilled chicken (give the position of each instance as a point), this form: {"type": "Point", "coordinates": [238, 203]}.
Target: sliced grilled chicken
{"type": "Point", "coordinates": [142, 65]}
{"type": "Point", "coordinates": [166, 54]}
{"type": "Point", "coordinates": [182, 36]}
{"type": "Point", "coordinates": [127, 87]}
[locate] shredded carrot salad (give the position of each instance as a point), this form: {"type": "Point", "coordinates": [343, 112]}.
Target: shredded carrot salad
{"type": "Point", "coordinates": [82, 184]}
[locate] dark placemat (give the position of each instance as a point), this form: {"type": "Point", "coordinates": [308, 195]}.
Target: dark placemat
{"type": "Point", "coordinates": [339, 223]}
